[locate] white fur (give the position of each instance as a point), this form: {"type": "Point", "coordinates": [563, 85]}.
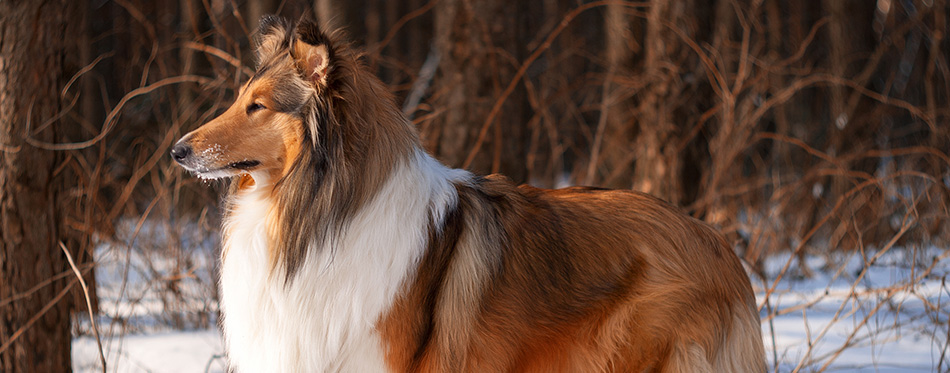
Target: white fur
{"type": "Point", "coordinates": [740, 351]}
{"type": "Point", "coordinates": [325, 319]}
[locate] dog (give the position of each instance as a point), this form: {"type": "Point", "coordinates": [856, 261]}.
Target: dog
{"type": "Point", "coordinates": [346, 247]}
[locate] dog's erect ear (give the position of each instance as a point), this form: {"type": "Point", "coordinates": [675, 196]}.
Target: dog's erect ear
{"type": "Point", "coordinates": [274, 33]}
{"type": "Point", "coordinates": [312, 53]}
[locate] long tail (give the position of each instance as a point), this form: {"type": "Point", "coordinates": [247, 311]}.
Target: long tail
{"type": "Point", "coordinates": [742, 350]}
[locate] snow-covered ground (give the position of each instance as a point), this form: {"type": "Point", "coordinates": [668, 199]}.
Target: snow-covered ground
{"type": "Point", "coordinates": [179, 352]}
{"type": "Point", "coordinates": [889, 316]}
{"type": "Point", "coordinates": [845, 313]}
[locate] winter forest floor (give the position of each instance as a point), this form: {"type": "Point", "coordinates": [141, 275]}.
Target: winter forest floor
{"type": "Point", "coordinates": [876, 311]}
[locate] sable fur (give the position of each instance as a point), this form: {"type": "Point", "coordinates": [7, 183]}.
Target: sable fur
{"type": "Point", "coordinates": [575, 279]}
{"type": "Point", "coordinates": [348, 248]}
{"type": "Point", "coordinates": [350, 157]}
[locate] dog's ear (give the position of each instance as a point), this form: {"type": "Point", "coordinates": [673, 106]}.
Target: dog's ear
{"type": "Point", "coordinates": [312, 53]}
{"type": "Point", "coordinates": [274, 34]}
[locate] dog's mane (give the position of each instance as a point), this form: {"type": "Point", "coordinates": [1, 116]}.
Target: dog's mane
{"type": "Point", "coordinates": [354, 136]}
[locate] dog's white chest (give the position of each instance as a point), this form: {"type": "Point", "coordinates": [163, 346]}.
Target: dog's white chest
{"type": "Point", "coordinates": [325, 318]}
{"type": "Point", "coordinates": [322, 321]}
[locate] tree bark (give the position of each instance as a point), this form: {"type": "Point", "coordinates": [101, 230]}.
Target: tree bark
{"type": "Point", "coordinates": [624, 38]}
{"type": "Point", "coordinates": [658, 162]}
{"type": "Point", "coordinates": [481, 44]}
{"type": "Point", "coordinates": [34, 323]}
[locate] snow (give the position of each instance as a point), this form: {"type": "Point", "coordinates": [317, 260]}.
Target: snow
{"type": "Point", "coordinates": [876, 311]}
{"type": "Point", "coordinates": [856, 316]}
{"type": "Point", "coordinates": [180, 351]}
{"type": "Point", "coordinates": [156, 298]}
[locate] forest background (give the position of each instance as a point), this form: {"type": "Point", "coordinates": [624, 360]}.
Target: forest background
{"type": "Point", "coordinates": [803, 130]}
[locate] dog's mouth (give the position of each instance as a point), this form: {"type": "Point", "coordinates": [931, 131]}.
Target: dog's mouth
{"type": "Point", "coordinates": [244, 165]}
{"type": "Point", "coordinates": [229, 170]}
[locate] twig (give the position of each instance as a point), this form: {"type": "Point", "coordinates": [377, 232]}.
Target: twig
{"type": "Point", "coordinates": [946, 345]}
{"type": "Point", "coordinates": [85, 291]}
{"type": "Point", "coordinates": [419, 87]}
{"type": "Point", "coordinates": [34, 289]}
{"type": "Point", "coordinates": [217, 52]}
{"type": "Point", "coordinates": [111, 119]}
{"type": "Point", "coordinates": [401, 22]}
{"type": "Point", "coordinates": [19, 332]}
{"type": "Point", "coordinates": [601, 127]}
{"type": "Point", "coordinates": [768, 305]}
{"type": "Point", "coordinates": [211, 361]}
{"type": "Point", "coordinates": [524, 68]}
{"type": "Point", "coordinates": [85, 70]}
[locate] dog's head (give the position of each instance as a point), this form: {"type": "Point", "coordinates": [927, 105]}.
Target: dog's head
{"type": "Point", "coordinates": [274, 114]}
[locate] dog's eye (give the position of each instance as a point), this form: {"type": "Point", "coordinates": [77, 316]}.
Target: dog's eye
{"type": "Point", "coordinates": [254, 107]}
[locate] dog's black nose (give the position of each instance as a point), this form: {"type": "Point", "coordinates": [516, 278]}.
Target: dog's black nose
{"type": "Point", "coordinates": [180, 151]}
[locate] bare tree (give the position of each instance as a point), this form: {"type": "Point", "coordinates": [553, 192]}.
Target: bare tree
{"type": "Point", "coordinates": [480, 44]}
{"type": "Point", "coordinates": [34, 275]}
{"type": "Point", "coordinates": [623, 34]}
{"type": "Point", "coordinates": [659, 163]}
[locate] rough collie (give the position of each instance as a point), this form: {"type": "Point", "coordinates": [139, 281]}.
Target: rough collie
{"type": "Point", "coordinates": [348, 248]}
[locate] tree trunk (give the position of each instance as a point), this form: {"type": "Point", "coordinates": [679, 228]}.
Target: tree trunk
{"type": "Point", "coordinates": [33, 51]}
{"type": "Point", "coordinates": [624, 35]}
{"type": "Point", "coordinates": [658, 162]}
{"type": "Point", "coordinates": [481, 44]}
